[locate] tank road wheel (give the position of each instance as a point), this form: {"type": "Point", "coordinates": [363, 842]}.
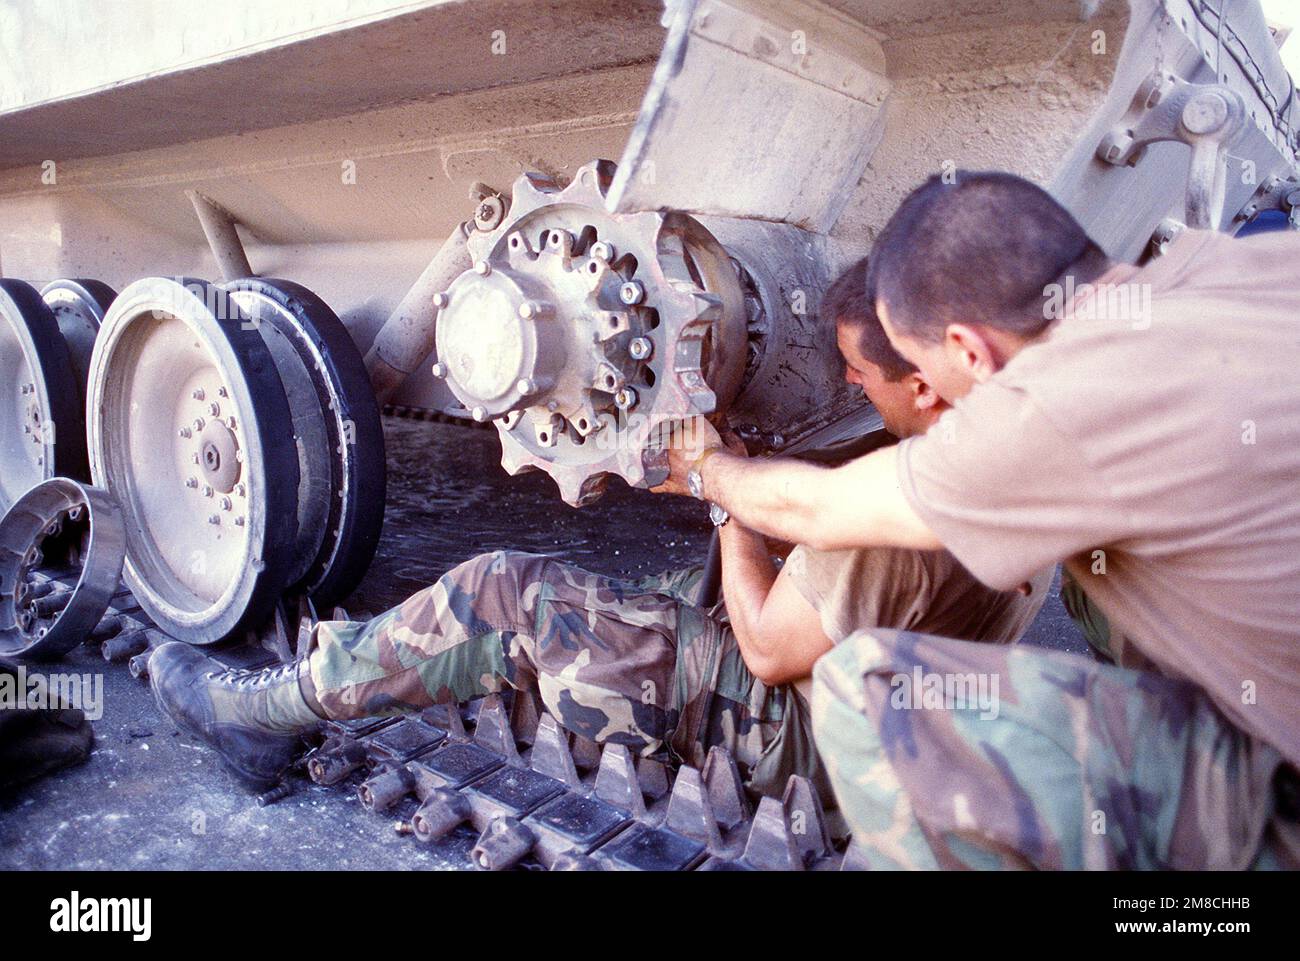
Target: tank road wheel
{"type": "Point", "coordinates": [42, 424]}
{"type": "Point", "coordinates": [342, 472]}
{"type": "Point", "coordinates": [190, 431]}
{"type": "Point", "coordinates": [79, 307]}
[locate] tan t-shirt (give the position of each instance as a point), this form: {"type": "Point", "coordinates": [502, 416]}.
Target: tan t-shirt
{"type": "Point", "coordinates": [924, 591]}
{"type": "Point", "coordinates": [1159, 446]}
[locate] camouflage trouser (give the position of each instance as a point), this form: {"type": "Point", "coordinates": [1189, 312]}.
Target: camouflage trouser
{"type": "Point", "coordinates": [948, 753]}
{"type": "Point", "coordinates": [633, 662]}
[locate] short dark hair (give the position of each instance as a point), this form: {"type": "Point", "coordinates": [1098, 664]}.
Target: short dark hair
{"type": "Point", "coordinates": [979, 248]}
{"type": "Point", "coordinates": [851, 301]}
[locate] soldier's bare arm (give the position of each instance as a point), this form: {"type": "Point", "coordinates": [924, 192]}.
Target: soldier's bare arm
{"type": "Point", "coordinates": [858, 504]}
{"type": "Point", "coordinates": [779, 633]}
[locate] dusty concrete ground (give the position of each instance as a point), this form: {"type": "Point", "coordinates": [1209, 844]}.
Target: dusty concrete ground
{"type": "Point", "coordinates": [151, 798]}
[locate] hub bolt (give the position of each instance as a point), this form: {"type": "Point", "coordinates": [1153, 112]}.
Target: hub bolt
{"type": "Point", "coordinates": [641, 348]}
{"type": "Point", "coordinates": [199, 424]}
{"type": "Point", "coordinates": [626, 398]}
{"type": "Point", "coordinates": [482, 268]}
{"type": "Point", "coordinates": [221, 392]}
{"type": "Point", "coordinates": [441, 300]}
{"type": "Point", "coordinates": [526, 386]}
{"type": "Point", "coordinates": [479, 414]}
{"type": "Point", "coordinates": [198, 394]}
{"type": "Point", "coordinates": [440, 369]}
{"type": "Point", "coordinates": [631, 292]}
{"type": "Point", "coordinates": [239, 522]}
{"type": "Point", "coordinates": [532, 309]}
{"type": "Point", "coordinates": [225, 503]}
{"type": "Point", "coordinates": [214, 409]}
{"type": "Point", "coordinates": [192, 483]}
{"type": "Point", "coordinates": [214, 518]}
{"type": "Point", "coordinates": [207, 490]}
{"type": "Point", "coordinates": [601, 250]}
{"type": "Point", "coordinates": [185, 432]}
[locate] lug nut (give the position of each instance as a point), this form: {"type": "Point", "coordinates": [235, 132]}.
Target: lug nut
{"type": "Point", "coordinates": [641, 348]}
{"type": "Point", "coordinates": [601, 250]}
{"type": "Point", "coordinates": [239, 522]}
{"type": "Point", "coordinates": [221, 392]}
{"type": "Point", "coordinates": [241, 490]}
{"type": "Point", "coordinates": [192, 482]}
{"type": "Point", "coordinates": [185, 432]}
{"type": "Point", "coordinates": [199, 424]}
{"type": "Point", "coordinates": [207, 491]}
{"type": "Point", "coordinates": [214, 409]}
{"type": "Point", "coordinates": [631, 292]}
{"type": "Point", "coordinates": [198, 394]}
{"type": "Point", "coordinates": [626, 398]}
{"type": "Point", "coordinates": [214, 518]}
{"type": "Point", "coordinates": [225, 503]}
{"type": "Point", "coordinates": [532, 309]}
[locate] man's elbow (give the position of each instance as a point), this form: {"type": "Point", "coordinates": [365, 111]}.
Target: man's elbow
{"type": "Point", "coordinates": [770, 669]}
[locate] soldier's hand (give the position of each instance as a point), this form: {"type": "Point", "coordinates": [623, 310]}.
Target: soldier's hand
{"type": "Point", "coordinates": [689, 441]}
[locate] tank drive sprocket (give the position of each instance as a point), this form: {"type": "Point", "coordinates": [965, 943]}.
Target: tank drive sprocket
{"type": "Point", "coordinates": [587, 336]}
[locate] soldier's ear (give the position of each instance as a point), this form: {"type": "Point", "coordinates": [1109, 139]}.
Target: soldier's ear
{"type": "Point", "coordinates": [924, 397]}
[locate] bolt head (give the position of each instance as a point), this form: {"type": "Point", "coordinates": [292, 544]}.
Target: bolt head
{"type": "Point", "coordinates": [207, 491]}
{"type": "Point", "coordinates": [221, 392]}
{"type": "Point", "coordinates": [239, 522]}
{"type": "Point", "coordinates": [440, 369]}
{"type": "Point", "coordinates": [601, 250]}
{"type": "Point", "coordinates": [214, 409]}
{"type": "Point", "coordinates": [482, 268]}
{"type": "Point", "coordinates": [198, 394]}
{"type": "Point", "coordinates": [185, 432]}
{"type": "Point", "coordinates": [631, 292]}
{"type": "Point", "coordinates": [626, 398]}
{"type": "Point", "coordinates": [199, 424]}
{"type": "Point", "coordinates": [479, 414]}
{"type": "Point", "coordinates": [526, 386]}
{"type": "Point", "coordinates": [192, 483]}
{"type": "Point", "coordinates": [441, 300]}
{"type": "Point", "coordinates": [640, 348]}
{"type": "Point", "coordinates": [214, 518]}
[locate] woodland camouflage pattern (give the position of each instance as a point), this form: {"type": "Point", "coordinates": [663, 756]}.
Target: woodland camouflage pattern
{"type": "Point", "coordinates": [1085, 765]}
{"type": "Point", "coordinates": [633, 662]}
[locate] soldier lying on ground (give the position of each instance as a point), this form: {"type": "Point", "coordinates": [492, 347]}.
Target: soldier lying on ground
{"type": "Point", "coordinates": [1141, 425]}
{"type": "Point", "coordinates": [634, 662]}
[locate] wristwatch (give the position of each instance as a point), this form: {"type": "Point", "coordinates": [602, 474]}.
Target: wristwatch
{"type": "Point", "coordinates": [718, 514]}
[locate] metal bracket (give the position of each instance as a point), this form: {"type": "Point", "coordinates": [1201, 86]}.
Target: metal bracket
{"type": "Point", "coordinates": [1206, 117]}
{"type": "Point", "coordinates": [1275, 193]}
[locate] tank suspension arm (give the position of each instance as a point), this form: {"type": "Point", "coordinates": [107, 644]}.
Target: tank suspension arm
{"type": "Point", "coordinates": [407, 337]}
{"type": "Point", "coordinates": [219, 227]}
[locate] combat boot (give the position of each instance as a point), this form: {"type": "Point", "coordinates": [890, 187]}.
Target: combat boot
{"type": "Point", "coordinates": [252, 718]}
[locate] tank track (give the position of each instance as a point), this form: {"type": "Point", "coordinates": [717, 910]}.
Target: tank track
{"type": "Point", "coordinates": [497, 784]}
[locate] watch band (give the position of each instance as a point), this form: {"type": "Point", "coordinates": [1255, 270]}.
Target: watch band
{"type": "Point", "coordinates": [694, 477]}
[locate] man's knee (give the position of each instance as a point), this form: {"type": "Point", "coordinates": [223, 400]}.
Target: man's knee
{"type": "Point", "coordinates": [497, 587]}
